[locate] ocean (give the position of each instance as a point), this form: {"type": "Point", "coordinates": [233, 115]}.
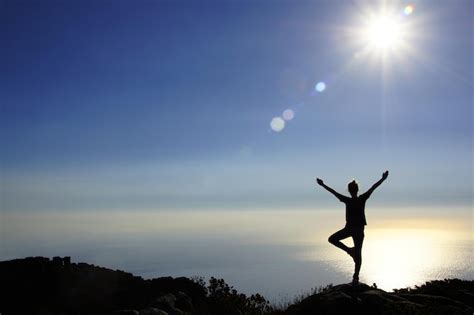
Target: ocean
{"type": "Point", "coordinates": [280, 254]}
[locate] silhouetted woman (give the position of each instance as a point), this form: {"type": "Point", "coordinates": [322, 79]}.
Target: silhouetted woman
{"type": "Point", "coordinates": [355, 221]}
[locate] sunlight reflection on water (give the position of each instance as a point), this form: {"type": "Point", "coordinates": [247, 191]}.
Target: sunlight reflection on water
{"type": "Point", "coordinates": [396, 258]}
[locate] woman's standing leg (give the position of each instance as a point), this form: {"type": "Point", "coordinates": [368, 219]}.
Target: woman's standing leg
{"type": "Point", "coordinates": [358, 237]}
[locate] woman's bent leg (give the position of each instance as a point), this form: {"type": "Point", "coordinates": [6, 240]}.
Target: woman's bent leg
{"type": "Point", "coordinates": [336, 238]}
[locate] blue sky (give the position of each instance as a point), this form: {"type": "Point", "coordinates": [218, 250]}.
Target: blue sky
{"type": "Point", "coordinates": [167, 104]}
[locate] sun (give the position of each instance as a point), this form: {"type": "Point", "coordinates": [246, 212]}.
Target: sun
{"type": "Point", "coordinates": [383, 33]}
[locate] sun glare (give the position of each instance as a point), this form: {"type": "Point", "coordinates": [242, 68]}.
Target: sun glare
{"type": "Point", "coordinates": [383, 33]}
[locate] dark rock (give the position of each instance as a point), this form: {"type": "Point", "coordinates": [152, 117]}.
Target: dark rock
{"type": "Point", "coordinates": [126, 312]}
{"type": "Point", "coordinates": [363, 299]}
{"type": "Point", "coordinates": [459, 290]}
{"type": "Point", "coordinates": [438, 304]}
{"type": "Point", "coordinates": [167, 303]}
{"type": "Point", "coordinates": [334, 301]}
{"type": "Point", "coordinates": [184, 302]}
{"type": "Point", "coordinates": [152, 311]}
{"type": "Point", "coordinates": [381, 302]}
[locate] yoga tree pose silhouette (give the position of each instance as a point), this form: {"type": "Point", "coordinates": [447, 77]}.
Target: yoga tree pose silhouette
{"type": "Point", "coordinates": [355, 220]}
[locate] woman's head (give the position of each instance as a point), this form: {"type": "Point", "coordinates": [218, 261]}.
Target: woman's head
{"type": "Point", "coordinates": [353, 188]}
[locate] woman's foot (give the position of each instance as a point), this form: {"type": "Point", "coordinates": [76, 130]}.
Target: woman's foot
{"type": "Point", "coordinates": [355, 280]}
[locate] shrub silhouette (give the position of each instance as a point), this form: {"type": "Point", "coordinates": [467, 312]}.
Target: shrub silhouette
{"type": "Point", "coordinates": [224, 299]}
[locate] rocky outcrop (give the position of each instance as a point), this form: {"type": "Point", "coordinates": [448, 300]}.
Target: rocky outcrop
{"type": "Point", "coordinates": [363, 299]}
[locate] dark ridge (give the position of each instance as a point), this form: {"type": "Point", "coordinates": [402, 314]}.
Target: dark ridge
{"type": "Point", "coordinates": [38, 285]}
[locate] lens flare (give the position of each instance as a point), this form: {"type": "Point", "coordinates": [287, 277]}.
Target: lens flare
{"type": "Point", "coordinates": [409, 9]}
{"type": "Point", "coordinates": [320, 87]}
{"type": "Point", "coordinates": [277, 124]}
{"type": "Point", "coordinates": [288, 114]}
